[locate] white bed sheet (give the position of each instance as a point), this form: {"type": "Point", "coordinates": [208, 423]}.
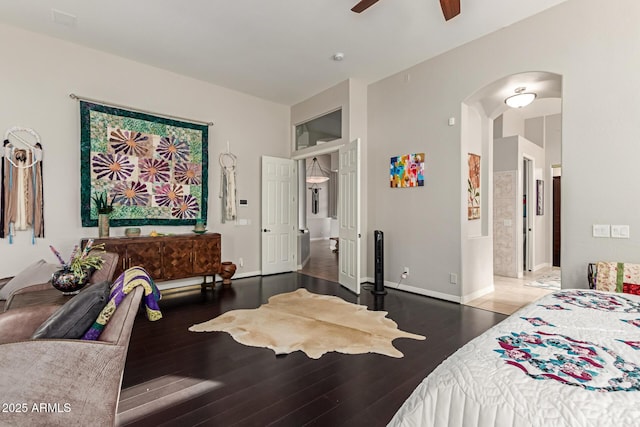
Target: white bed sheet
{"type": "Point", "coordinates": [572, 358]}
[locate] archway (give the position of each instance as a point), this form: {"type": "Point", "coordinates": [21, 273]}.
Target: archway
{"type": "Point", "coordinates": [497, 242]}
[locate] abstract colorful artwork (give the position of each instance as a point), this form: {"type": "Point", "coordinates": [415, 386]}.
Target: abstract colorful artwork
{"type": "Point", "coordinates": [153, 169]}
{"type": "Point", "coordinates": [473, 189]}
{"type": "Point", "coordinates": [407, 171]}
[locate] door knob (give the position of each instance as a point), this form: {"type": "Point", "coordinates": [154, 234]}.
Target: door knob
{"type": "Point", "coordinates": [266, 230]}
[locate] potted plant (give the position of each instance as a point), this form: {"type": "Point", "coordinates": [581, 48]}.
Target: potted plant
{"type": "Point", "coordinates": [76, 272]}
{"type": "Point", "coordinates": [104, 209]}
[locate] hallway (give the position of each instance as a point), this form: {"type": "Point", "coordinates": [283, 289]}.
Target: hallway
{"type": "Point", "coordinates": [323, 263]}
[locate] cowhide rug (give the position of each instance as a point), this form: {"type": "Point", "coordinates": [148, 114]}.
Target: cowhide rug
{"type": "Point", "coordinates": [315, 324]}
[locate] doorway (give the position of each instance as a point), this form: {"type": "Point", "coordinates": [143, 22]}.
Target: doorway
{"type": "Point", "coordinates": [527, 217]}
{"type": "Point", "coordinates": [556, 220]}
{"type": "Point", "coordinates": [320, 218]}
{"type": "Point", "coordinates": [522, 144]}
{"type": "Point", "coordinates": [347, 203]}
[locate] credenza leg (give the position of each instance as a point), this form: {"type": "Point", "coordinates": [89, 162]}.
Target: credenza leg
{"type": "Point", "coordinates": [206, 284]}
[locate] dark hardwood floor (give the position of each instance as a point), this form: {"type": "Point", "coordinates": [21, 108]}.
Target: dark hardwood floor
{"type": "Point", "coordinates": [174, 377]}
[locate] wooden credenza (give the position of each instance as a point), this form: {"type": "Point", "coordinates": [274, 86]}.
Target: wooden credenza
{"type": "Point", "coordinates": [167, 257]}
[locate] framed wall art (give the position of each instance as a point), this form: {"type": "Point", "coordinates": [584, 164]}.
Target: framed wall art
{"type": "Point", "coordinates": [473, 187]}
{"type": "Point", "coordinates": [407, 171]}
{"type": "Point", "coordinates": [539, 197]}
{"type": "Point", "coordinates": [152, 169]}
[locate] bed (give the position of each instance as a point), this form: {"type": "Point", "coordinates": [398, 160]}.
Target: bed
{"type": "Point", "coordinates": [572, 358]}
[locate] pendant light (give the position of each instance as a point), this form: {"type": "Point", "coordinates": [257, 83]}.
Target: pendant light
{"type": "Point", "coordinates": [316, 174]}
{"type": "Point", "coordinates": [521, 98]}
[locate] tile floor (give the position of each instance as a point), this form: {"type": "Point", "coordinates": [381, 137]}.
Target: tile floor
{"type": "Point", "coordinates": [511, 294]}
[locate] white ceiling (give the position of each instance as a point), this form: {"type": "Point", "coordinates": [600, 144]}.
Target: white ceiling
{"type": "Point", "coordinates": [279, 50]}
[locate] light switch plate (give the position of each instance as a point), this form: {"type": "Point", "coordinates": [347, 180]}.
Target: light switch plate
{"type": "Point", "coordinates": [601, 230]}
{"type": "Point", "coordinates": [620, 231]}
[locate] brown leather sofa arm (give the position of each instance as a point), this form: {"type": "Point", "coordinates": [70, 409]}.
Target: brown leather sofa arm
{"type": "Point", "coordinates": [20, 323]}
{"type": "Point", "coordinates": [32, 288]}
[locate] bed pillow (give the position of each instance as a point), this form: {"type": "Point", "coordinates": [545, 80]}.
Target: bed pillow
{"type": "Point", "coordinates": [37, 273]}
{"type": "Point", "coordinates": [73, 319]}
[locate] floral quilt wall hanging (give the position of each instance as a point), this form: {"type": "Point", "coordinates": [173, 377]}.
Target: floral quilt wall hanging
{"type": "Point", "coordinates": [153, 169]}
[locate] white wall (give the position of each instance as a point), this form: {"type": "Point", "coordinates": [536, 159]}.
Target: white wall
{"type": "Point", "coordinates": [534, 130]}
{"type": "Point", "coordinates": [593, 45]}
{"type": "Point", "coordinates": [477, 254]}
{"type": "Point", "coordinates": [512, 123]}
{"type": "Point", "coordinates": [35, 89]}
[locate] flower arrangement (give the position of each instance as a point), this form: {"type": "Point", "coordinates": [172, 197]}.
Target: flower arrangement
{"type": "Point", "coordinates": [82, 261]}
{"type": "Point", "coordinates": [102, 203]}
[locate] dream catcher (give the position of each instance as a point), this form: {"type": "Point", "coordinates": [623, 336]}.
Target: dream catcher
{"type": "Point", "coordinates": [21, 200]}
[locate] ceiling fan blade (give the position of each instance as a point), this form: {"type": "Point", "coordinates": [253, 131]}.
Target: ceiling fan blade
{"type": "Point", "coordinates": [363, 5]}
{"type": "Point", "coordinates": [450, 8]}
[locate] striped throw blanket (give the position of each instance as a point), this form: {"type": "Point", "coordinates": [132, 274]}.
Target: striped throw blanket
{"type": "Point", "coordinates": [123, 285]}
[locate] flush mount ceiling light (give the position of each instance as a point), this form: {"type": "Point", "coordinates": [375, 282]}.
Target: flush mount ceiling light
{"type": "Point", "coordinates": [521, 98]}
{"type": "Point", "coordinates": [316, 174]}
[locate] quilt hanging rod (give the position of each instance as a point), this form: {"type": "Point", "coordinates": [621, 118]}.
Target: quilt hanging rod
{"type": "Point", "coordinates": [111, 104]}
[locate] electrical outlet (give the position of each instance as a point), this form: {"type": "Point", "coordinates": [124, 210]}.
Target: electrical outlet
{"type": "Point", "coordinates": [453, 278]}
{"type": "Point", "coordinates": [241, 262]}
{"type": "Point", "coordinates": [405, 270]}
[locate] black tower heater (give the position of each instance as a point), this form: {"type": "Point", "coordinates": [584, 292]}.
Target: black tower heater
{"type": "Point", "coordinates": [378, 288]}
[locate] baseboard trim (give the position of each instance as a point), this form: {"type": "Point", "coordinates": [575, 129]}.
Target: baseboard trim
{"type": "Point", "coordinates": [197, 280]}
{"type": "Point", "coordinates": [477, 294]}
{"type": "Point", "coordinates": [415, 290]}
{"type": "Point", "coordinates": [541, 266]}
{"type": "Point", "coordinates": [247, 274]}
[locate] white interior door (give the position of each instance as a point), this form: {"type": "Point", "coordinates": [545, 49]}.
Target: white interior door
{"type": "Point", "coordinates": [279, 203]}
{"type": "Point", "coordinates": [349, 216]}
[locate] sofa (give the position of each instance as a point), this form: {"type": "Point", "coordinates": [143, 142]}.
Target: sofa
{"type": "Point", "coordinates": [65, 382]}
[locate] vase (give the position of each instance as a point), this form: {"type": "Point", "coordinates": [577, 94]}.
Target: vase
{"type": "Point", "coordinates": [227, 270]}
{"type": "Point", "coordinates": [66, 281]}
{"type": "Point", "coordinates": [103, 225]}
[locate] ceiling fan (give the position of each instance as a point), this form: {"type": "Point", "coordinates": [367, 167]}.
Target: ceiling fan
{"type": "Point", "coordinates": [450, 8]}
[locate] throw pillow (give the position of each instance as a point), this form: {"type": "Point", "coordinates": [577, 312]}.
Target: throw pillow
{"type": "Point", "coordinates": [76, 316]}
{"type": "Point", "coordinates": [35, 274]}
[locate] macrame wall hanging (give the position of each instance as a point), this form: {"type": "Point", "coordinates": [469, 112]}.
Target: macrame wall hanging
{"type": "Point", "coordinates": [21, 201]}
{"type": "Point", "coordinates": [228, 185]}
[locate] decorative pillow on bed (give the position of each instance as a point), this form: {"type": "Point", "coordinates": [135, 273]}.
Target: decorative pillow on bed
{"type": "Point", "coordinates": [618, 277]}
{"type": "Point", "coordinates": [73, 319]}
{"type": "Point", "coordinates": [37, 273]}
